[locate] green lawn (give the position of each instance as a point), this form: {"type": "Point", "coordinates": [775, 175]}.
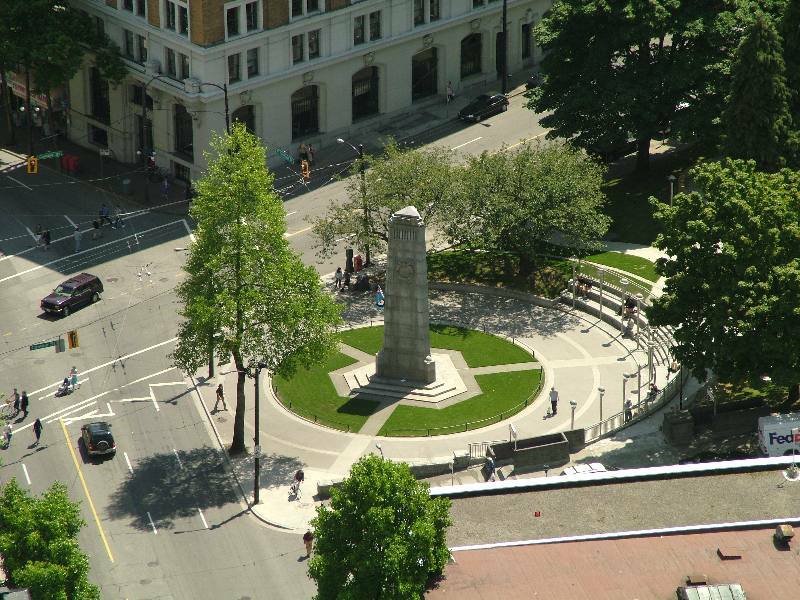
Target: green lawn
{"type": "Point", "coordinates": [310, 393]}
{"type": "Point", "coordinates": [501, 393]}
{"type": "Point", "coordinates": [478, 349]}
{"type": "Point", "coordinates": [627, 262]}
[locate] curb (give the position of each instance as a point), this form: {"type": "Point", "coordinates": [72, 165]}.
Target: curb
{"type": "Point", "coordinates": [230, 468]}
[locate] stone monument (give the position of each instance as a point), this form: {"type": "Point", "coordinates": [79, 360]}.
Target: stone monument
{"type": "Point", "coordinates": [406, 352]}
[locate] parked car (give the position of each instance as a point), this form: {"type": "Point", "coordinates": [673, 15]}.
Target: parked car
{"type": "Point", "coordinates": [484, 106]}
{"type": "Point", "coordinates": [73, 293]}
{"type": "Point", "coordinates": [97, 439]}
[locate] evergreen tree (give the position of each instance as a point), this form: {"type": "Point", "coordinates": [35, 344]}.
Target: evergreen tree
{"type": "Point", "coordinates": [756, 119]}
{"type": "Point", "coordinates": [790, 31]}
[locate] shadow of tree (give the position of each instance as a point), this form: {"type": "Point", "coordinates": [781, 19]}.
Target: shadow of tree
{"type": "Point", "coordinates": [160, 487]}
{"type": "Point", "coordinates": [275, 470]}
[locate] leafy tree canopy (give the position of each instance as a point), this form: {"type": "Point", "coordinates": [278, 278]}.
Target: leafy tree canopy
{"type": "Point", "coordinates": [39, 545]}
{"type": "Point", "coordinates": [734, 272]}
{"type": "Point", "coordinates": [757, 119]}
{"type": "Point", "coordinates": [382, 536]}
{"type": "Point", "coordinates": [244, 284]}
{"type": "Point", "coordinates": [790, 32]}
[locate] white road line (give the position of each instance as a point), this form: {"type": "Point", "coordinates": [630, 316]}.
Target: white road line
{"type": "Point", "coordinates": [285, 234]}
{"type": "Point", "coordinates": [63, 258]}
{"type": "Point", "coordinates": [52, 419]}
{"type": "Point", "coordinates": [178, 457]}
{"type": "Point", "coordinates": [71, 222]}
{"type": "Point", "coordinates": [111, 362]}
{"type": "Point", "coordinates": [153, 525]}
{"type": "Point", "coordinates": [79, 405]}
{"type": "Point", "coordinates": [149, 376]}
{"type": "Point", "coordinates": [167, 383]}
{"type": "Point", "coordinates": [25, 470]}
{"type": "Point", "coordinates": [133, 399]}
{"type": "Point", "coordinates": [291, 213]}
{"type": "Point", "coordinates": [202, 517]}
{"type": "Point", "coordinates": [19, 182]}
{"type": "Point", "coordinates": [28, 229]}
{"type": "Point", "coordinates": [153, 397]}
{"type": "Point", "coordinates": [90, 415]}
{"type": "Point", "coordinates": [189, 230]}
{"type": "Point", "coordinates": [525, 141]}
{"type": "Point", "coordinates": [80, 383]}
{"type": "Point", "coordinates": [465, 143]}
{"type": "Point", "coordinates": [128, 460]}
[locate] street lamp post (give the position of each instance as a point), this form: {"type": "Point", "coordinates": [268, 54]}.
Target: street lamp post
{"type": "Point", "coordinates": [602, 281]}
{"type": "Point", "coordinates": [365, 207]}
{"type": "Point", "coordinates": [625, 377]}
{"type": "Point", "coordinates": [224, 88]}
{"type": "Point", "coordinates": [602, 391]}
{"type": "Point", "coordinates": [671, 178]}
{"type": "Point", "coordinates": [574, 281]}
{"type": "Point", "coordinates": [573, 405]}
{"type": "Point", "coordinates": [504, 64]}
{"type": "Point", "coordinates": [256, 439]}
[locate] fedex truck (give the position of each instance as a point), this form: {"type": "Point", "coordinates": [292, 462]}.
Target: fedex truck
{"type": "Point", "coordinates": [779, 434]}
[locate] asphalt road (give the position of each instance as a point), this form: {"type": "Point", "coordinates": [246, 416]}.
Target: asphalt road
{"type": "Point", "coordinates": [164, 519]}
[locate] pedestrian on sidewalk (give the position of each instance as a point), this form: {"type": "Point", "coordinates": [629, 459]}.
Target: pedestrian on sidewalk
{"type": "Point", "coordinates": [338, 276]}
{"type": "Point", "coordinates": [16, 398]}
{"type": "Point", "coordinates": [73, 377]}
{"type": "Point", "coordinates": [104, 214]}
{"type": "Point", "coordinates": [96, 229]}
{"type": "Point", "coordinates": [119, 222]}
{"type": "Point", "coordinates": [554, 400]}
{"type": "Point", "coordinates": [37, 430]}
{"type": "Point", "coordinates": [77, 235]}
{"type": "Point", "coordinates": [23, 404]}
{"type": "Point", "coordinates": [165, 188]}
{"type": "Point", "coordinates": [38, 234]}
{"type": "Point", "coordinates": [7, 433]}
{"type": "Point", "coordinates": [450, 94]}
{"type": "Point", "coordinates": [310, 153]}
{"type": "Point", "coordinates": [628, 410]}
{"type": "Point", "coordinates": [46, 239]}
{"type": "Point", "coordinates": [220, 398]}
{"type": "Point", "coordinates": [308, 540]}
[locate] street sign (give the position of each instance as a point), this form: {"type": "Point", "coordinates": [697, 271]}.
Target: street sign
{"type": "Point", "coordinates": [285, 155]}
{"type": "Point", "coordinates": [41, 345]}
{"type": "Point", "coordinates": [53, 154]}
{"type": "Point", "coordinates": [105, 152]}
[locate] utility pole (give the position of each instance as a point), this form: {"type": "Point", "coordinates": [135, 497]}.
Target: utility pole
{"type": "Point", "coordinates": [361, 168]}
{"type": "Point", "coordinates": [504, 64]}
{"type": "Point", "coordinates": [257, 449]}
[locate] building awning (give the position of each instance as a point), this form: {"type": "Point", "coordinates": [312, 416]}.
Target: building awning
{"type": "Point", "coordinates": [16, 82]}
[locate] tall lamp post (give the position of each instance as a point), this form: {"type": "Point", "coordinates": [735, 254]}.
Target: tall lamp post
{"type": "Point", "coordinates": [504, 63]}
{"type": "Point", "coordinates": [602, 391]}
{"type": "Point", "coordinates": [256, 439]}
{"type": "Point", "coordinates": [365, 207]}
{"type": "Point", "coordinates": [573, 405]}
{"type": "Point", "coordinates": [224, 88]}
{"type": "Point", "coordinates": [671, 178]}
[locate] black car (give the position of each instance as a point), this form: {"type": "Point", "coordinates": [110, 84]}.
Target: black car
{"type": "Point", "coordinates": [73, 293]}
{"type": "Point", "coordinates": [97, 439]}
{"type": "Point", "coordinates": [484, 106]}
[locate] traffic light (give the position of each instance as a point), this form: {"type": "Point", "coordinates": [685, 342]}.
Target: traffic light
{"type": "Point", "coordinates": [72, 339]}
{"type": "Point", "coordinates": [60, 345]}
{"type": "Point", "coordinates": [305, 169]}
{"type": "Point", "coordinates": [33, 165]}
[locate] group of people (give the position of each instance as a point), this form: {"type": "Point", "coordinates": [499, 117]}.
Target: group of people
{"type": "Point", "coordinates": [344, 279]}
{"type": "Point", "coordinates": [43, 237]}
{"type": "Point", "coordinates": [305, 152]}
{"type": "Point", "coordinates": [70, 383]}
{"type": "Point", "coordinates": [20, 403]}
{"type": "Point", "coordinates": [583, 286]}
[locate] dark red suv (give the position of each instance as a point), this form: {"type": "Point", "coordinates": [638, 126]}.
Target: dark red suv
{"type": "Point", "coordinates": [73, 293]}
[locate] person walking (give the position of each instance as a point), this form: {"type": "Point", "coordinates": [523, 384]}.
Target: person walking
{"type": "Point", "coordinates": [77, 235]}
{"type": "Point", "coordinates": [37, 430]}
{"type": "Point", "coordinates": [7, 433]}
{"type": "Point", "coordinates": [73, 378]}
{"type": "Point", "coordinates": [220, 398]}
{"type": "Point", "coordinates": [165, 188]}
{"type": "Point", "coordinates": [338, 276]}
{"type": "Point", "coordinates": [38, 234]}
{"type": "Point", "coordinates": [23, 404]}
{"type": "Point", "coordinates": [628, 410]}
{"type": "Point", "coordinates": [46, 239]}
{"type": "Point", "coordinates": [450, 94]}
{"type": "Point", "coordinates": [308, 540]}
{"type": "Point", "coordinates": [554, 400]}
{"type": "Point", "coordinates": [310, 153]}
{"type": "Point", "coordinates": [104, 214]}
{"type": "Point", "coordinates": [16, 398]}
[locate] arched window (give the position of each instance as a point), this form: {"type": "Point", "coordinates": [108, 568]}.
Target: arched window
{"type": "Point", "coordinates": [247, 116]}
{"type": "Point", "coordinates": [184, 136]}
{"type": "Point", "coordinates": [424, 67]}
{"type": "Point", "coordinates": [365, 93]}
{"type": "Point", "coordinates": [471, 55]}
{"type": "Point", "coordinates": [305, 111]}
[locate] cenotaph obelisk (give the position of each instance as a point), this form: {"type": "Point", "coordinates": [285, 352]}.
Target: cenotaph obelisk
{"type": "Point", "coordinates": [406, 352]}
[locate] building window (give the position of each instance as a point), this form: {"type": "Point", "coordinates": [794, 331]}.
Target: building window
{"type": "Point", "coordinates": [247, 116]}
{"type": "Point", "coordinates": [527, 40]}
{"type": "Point", "coordinates": [298, 41]}
{"type": "Point", "coordinates": [471, 55]}
{"type": "Point", "coordinates": [375, 25]}
{"type": "Point", "coordinates": [170, 63]}
{"type": "Point", "coordinates": [182, 172]}
{"type": "Point", "coordinates": [359, 32]}
{"type": "Point", "coordinates": [127, 47]}
{"type": "Point", "coordinates": [252, 62]}
{"type": "Point", "coordinates": [251, 15]}
{"type": "Point", "coordinates": [232, 21]}
{"type": "Point", "coordinates": [184, 137]}
{"type": "Point", "coordinates": [434, 10]}
{"type": "Point", "coordinates": [425, 11]}
{"type": "Point", "coordinates": [424, 71]}
{"type": "Point", "coordinates": [141, 48]}
{"type": "Point", "coordinates": [169, 14]}
{"type": "Point", "coordinates": [183, 20]}
{"type": "Point", "coordinates": [478, 3]}
{"type": "Point", "coordinates": [141, 8]}
{"type": "Point", "coordinates": [304, 7]}
{"type": "Point", "coordinates": [234, 68]}
{"type": "Point", "coordinates": [313, 44]}
{"type": "Point", "coordinates": [98, 136]}
{"type": "Point", "coordinates": [136, 96]}
{"type": "Point", "coordinates": [185, 72]}
{"type": "Point", "coordinates": [419, 12]}
{"type": "Point", "coordinates": [305, 111]}
{"type": "Point", "coordinates": [127, 5]}
{"type": "Point", "coordinates": [365, 93]}
{"type": "Point", "coordinates": [101, 108]}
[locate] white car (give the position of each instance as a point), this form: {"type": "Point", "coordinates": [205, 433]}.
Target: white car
{"type": "Point", "coordinates": [584, 469]}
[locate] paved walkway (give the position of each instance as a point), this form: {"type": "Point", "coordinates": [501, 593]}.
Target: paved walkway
{"type": "Point", "coordinates": [578, 355]}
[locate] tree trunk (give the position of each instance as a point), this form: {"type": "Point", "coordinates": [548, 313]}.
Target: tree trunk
{"type": "Point", "coordinates": [643, 155]}
{"type": "Point", "coordinates": [237, 445]}
{"type": "Point", "coordinates": [526, 265]}
{"type": "Point", "coordinates": [6, 91]}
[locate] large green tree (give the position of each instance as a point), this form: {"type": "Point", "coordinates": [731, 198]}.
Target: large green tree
{"type": "Point", "coordinates": [733, 276]}
{"type": "Point", "coordinates": [633, 68]}
{"type": "Point", "coordinates": [790, 32]}
{"type": "Point", "coordinates": [382, 536]}
{"type": "Point", "coordinates": [395, 179]}
{"type": "Point", "coordinates": [244, 284]}
{"type": "Point", "coordinates": [756, 120]}
{"type": "Point", "coordinates": [38, 540]}
{"type": "Point", "coordinates": [520, 201]}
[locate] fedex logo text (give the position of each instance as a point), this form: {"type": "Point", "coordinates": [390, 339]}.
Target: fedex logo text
{"type": "Point", "coordinates": [776, 438]}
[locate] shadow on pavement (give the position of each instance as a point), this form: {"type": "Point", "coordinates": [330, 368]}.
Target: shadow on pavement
{"type": "Point", "coordinates": [159, 486]}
